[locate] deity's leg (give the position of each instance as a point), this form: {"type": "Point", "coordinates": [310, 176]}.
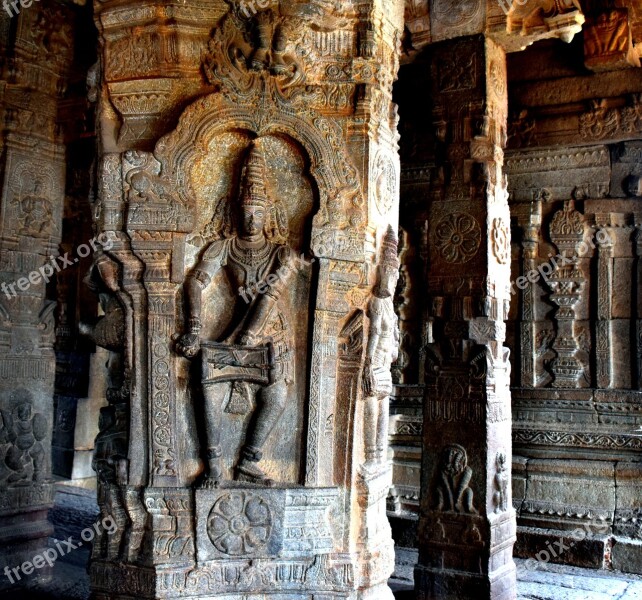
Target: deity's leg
{"type": "Point", "coordinates": [214, 395]}
{"type": "Point", "coordinates": [382, 429]}
{"type": "Point", "coordinates": [370, 428]}
{"type": "Point", "coordinates": [278, 64]}
{"type": "Point", "coordinates": [271, 403]}
{"type": "Point", "coordinates": [263, 39]}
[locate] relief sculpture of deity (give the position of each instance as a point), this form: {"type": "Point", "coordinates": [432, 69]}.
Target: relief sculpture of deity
{"type": "Point", "coordinates": [252, 360]}
{"type": "Point", "coordinates": [381, 352]}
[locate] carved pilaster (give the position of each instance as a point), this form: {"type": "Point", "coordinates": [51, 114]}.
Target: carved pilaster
{"type": "Point", "coordinates": [637, 382]}
{"type": "Point", "coordinates": [32, 194]}
{"type": "Point", "coordinates": [566, 283]}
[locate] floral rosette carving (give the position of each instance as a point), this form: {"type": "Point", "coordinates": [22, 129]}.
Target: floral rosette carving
{"type": "Point", "coordinates": [458, 237]}
{"type": "Point", "coordinates": [239, 524]}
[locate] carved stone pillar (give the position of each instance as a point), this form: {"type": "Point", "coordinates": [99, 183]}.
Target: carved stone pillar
{"type": "Point", "coordinates": [637, 324]}
{"type": "Point", "coordinates": [248, 298]}
{"type": "Point", "coordinates": [467, 523]}
{"type": "Point", "coordinates": [32, 195]}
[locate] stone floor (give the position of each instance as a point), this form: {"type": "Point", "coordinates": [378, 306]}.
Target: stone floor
{"type": "Point", "coordinates": [547, 582]}
{"type": "Point", "coordinates": [76, 509]}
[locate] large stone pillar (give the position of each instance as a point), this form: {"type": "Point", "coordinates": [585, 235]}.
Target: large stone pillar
{"type": "Point", "coordinates": [37, 52]}
{"type": "Point", "coordinates": [247, 298]}
{"type": "Point", "coordinates": [467, 522]}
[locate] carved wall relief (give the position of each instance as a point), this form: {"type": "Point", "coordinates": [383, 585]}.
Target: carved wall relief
{"type": "Point", "coordinates": [256, 267]}
{"type": "Point", "coordinates": [607, 41]}
{"type": "Point", "coordinates": [566, 283]}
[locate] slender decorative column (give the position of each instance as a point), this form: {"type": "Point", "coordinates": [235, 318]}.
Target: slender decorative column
{"type": "Point", "coordinates": [32, 180]}
{"type": "Point", "coordinates": [637, 334]}
{"type": "Point", "coordinates": [467, 523]}
{"type": "Point", "coordinates": [603, 324]}
{"type": "Point", "coordinates": [528, 329]}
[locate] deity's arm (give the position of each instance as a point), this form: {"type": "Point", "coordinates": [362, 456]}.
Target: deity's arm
{"type": "Point", "coordinates": [199, 279]}
{"type": "Point", "coordinates": [375, 316]}
{"type": "Point", "coordinates": [275, 283]}
{"type": "Point", "coordinates": [396, 340]}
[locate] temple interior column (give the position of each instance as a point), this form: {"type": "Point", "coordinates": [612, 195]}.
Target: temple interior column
{"type": "Point", "coordinates": [37, 56]}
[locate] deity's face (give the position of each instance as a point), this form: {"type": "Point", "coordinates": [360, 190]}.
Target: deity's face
{"type": "Point", "coordinates": [252, 220]}
{"type": "Point", "coordinates": [24, 412]}
{"type": "Point", "coordinates": [388, 278]}
{"type": "Point", "coordinates": [453, 461]}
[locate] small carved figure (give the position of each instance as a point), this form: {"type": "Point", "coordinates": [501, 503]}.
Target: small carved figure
{"type": "Point", "coordinates": [25, 430]}
{"type": "Point", "coordinates": [500, 497]}
{"type": "Point", "coordinates": [381, 352]}
{"type": "Point", "coordinates": [259, 268]}
{"type": "Point", "coordinates": [452, 490]}
{"type": "Point", "coordinates": [110, 464]}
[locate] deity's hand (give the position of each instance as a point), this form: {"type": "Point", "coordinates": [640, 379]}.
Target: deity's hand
{"type": "Point", "coordinates": [188, 345]}
{"type": "Point", "coordinates": [369, 381]}
{"type": "Point", "coordinates": [247, 339]}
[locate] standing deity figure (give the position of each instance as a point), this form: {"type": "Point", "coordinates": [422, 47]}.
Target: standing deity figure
{"type": "Point", "coordinates": [382, 351]}
{"type": "Point", "coordinates": [259, 269]}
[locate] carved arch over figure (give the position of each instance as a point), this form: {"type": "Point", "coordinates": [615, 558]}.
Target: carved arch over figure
{"type": "Point", "coordinates": [341, 201]}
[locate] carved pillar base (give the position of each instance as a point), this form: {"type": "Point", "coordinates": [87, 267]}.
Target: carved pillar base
{"type": "Point", "coordinates": [450, 572]}
{"type": "Point", "coordinates": [24, 530]}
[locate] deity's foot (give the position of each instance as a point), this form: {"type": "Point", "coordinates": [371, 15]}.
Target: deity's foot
{"type": "Point", "coordinates": [248, 471]}
{"type": "Point", "coordinates": [278, 64]}
{"type": "Point", "coordinates": [259, 60]}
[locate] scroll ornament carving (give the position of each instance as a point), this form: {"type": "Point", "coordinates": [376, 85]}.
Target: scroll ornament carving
{"type": "Point", "coordinates": [250, 45]}
{"type": "Point", "coordinates": [455, 13]}
{"type": "Point", "coordinates": [566, 283]}
{"type": "Point", "coordinates": [458, 237]}
{"type": "Point", "coordinates": [500, 237]}
{"type": "Point", "coordinates": [602, 121]}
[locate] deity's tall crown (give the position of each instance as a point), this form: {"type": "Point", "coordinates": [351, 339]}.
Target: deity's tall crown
{"type": "Point", "coordinates": [254, 177]}
{"type": "Point", "coordinates": [388, 255]}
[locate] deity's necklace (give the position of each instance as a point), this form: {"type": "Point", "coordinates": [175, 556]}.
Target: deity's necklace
{"type": "Point", "coordinates": [250, 256]}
